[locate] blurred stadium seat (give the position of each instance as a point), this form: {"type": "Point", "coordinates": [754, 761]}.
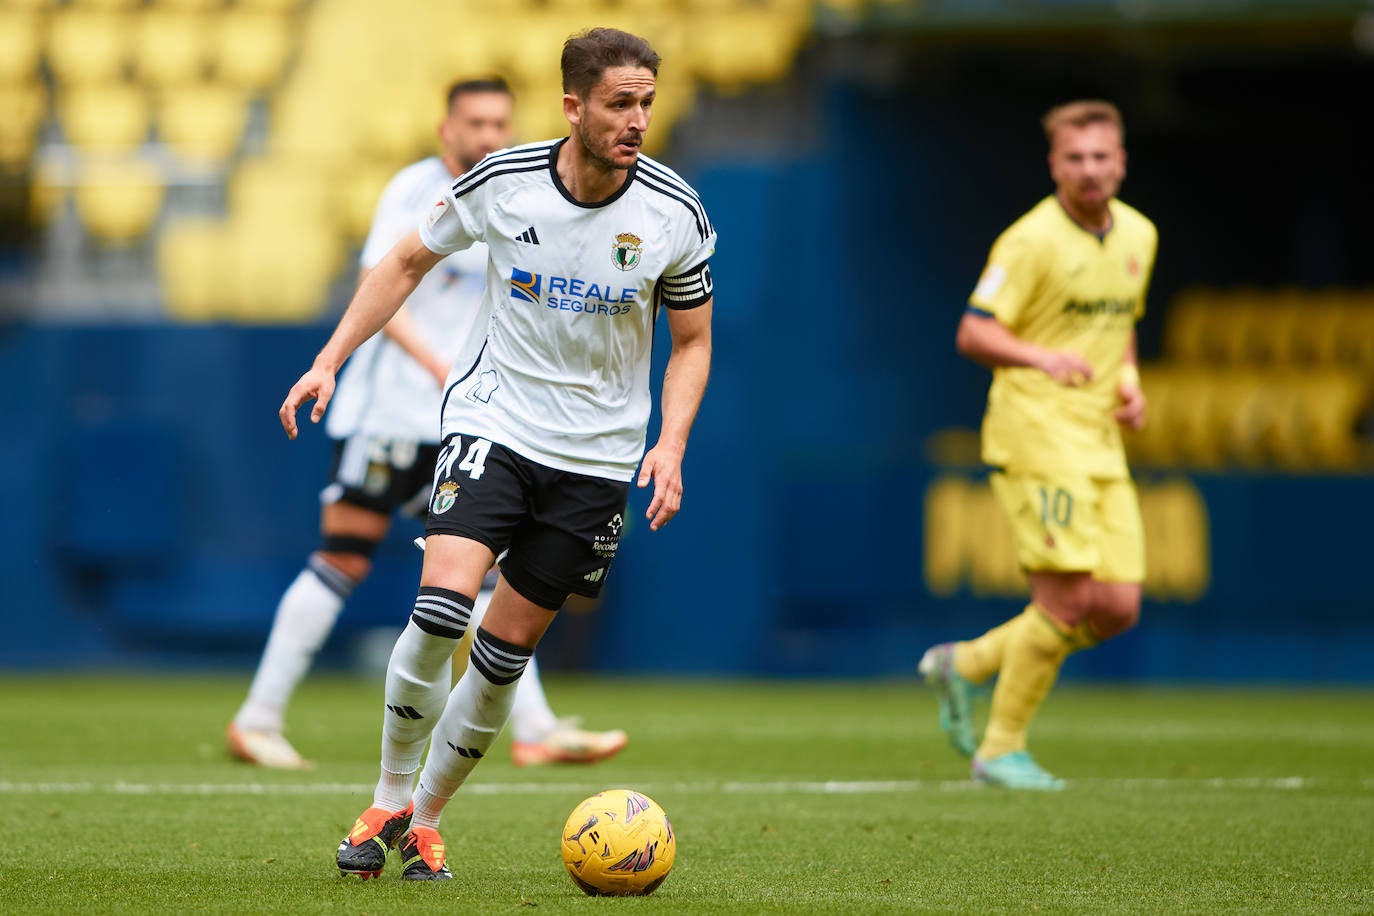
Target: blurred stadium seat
{"type": "Point", "coordinates": [250, 48]}
{"type": "Point", "coordinates": [357, 199]}
{"type": "Point", "coordinates": [171, 47]}
{"type": "Point", "coordinates": [21, 46]}
{"type": "Point", "coordinates": [104, 119]}
{"type": "Point", "coordinates": [202, 122]}
{"type": "Point", "coordinates": [89, 46]}
{"type": "Point", "coordinates": [197, 270]}
{"type": "Point", "coordinates": [119, 200]}
{"type": "Point", "coordinates": [22, 109]}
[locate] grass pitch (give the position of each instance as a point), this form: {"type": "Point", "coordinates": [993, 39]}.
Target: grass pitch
{"type": "Point", "coordinates": [786, 798]}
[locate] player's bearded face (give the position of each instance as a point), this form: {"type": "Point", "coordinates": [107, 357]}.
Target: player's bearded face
{"type": "Point", "coordinates": [1087, 164]}
{"type": "Point", "coordinates": [615, 116]}
{"type": "Point", "coordinates": [479, 123]}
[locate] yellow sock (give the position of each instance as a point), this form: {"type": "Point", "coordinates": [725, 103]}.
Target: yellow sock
{"type": "Point", "coordinates": [1035, 647]}
{"type": "Point", "coordinates": [981, 658]}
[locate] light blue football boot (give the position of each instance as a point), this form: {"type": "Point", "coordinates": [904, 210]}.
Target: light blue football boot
{"type": "Point", "coordinates": [1015, 770]}
{"type": "Point", "coordinates": [956, 696]}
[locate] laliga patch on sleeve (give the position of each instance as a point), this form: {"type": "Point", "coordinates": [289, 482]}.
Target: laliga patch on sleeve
{"type": "Point", "coordinates": [438, 210]}
{"type": "Point", "coordinates": [991, 282]}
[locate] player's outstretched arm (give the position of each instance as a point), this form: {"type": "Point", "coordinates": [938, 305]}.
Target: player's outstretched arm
{"type": "Point", "coordinates": [684, 383]}
{"type": "Point", "coordinates": [984, 339]}
{"type": "Point", "coordinates": [378, 297]}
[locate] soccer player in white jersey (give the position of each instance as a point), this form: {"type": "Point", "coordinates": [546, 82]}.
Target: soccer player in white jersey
{"type": "Point", "coordinates": [543, 424]}
{"type": "Point", "coordinates": [385, 420]}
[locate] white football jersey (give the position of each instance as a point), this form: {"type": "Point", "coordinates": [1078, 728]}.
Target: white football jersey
{"type": "Point", "coordinates": [383, 391]}
{"type": "Point", "coordinates": [563, 374]}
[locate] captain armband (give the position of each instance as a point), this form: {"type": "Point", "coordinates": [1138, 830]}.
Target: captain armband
{"type": "Point", "coordinates": [688, 290]}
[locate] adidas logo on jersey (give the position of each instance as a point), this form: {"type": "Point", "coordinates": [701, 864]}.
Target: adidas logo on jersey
{"type": "Point", "coordinates": [595, 575]}
{"type": "Point", "coordinates": [529, 236]}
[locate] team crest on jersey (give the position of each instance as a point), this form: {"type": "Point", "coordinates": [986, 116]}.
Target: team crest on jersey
{"type": "Point", "coordinates": [1132, 266]}
{"type": "Point", "coordinates": [444, 497]}
{"type": "Point", "coordinates": [627, 251]}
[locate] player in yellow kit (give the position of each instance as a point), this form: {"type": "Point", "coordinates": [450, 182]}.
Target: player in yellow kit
{"type": "Point", "coordinates": [1054, 316]}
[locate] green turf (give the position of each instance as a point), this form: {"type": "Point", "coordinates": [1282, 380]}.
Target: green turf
{"type": "Point", "coordinates": [118, 797]}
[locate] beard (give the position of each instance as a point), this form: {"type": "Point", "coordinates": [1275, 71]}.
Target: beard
{"type": "Point", "coordinates": [600, 154]}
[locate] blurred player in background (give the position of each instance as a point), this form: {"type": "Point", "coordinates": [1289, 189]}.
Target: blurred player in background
{"type": "Point", "coordinates": [385, 419]}
{"type": "Point", "coordinates": [543, 427]}
{"type": "Point", "coordinates": [1054, 317]}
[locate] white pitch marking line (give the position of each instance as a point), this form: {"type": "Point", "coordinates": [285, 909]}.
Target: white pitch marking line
{"type": "Point", "coordinates": [830, 787]}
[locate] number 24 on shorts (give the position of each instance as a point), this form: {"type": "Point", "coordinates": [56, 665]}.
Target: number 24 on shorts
{"type": "Point", "coordinates": [474, 461]}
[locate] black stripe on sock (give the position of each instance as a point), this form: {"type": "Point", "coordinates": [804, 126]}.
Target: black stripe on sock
{"type": "Point", "coordinates": [498, 661]}
{"type": "Point", "coordinates": [452, 623]}
{"type": "Point", "coordinates": [333, 579]}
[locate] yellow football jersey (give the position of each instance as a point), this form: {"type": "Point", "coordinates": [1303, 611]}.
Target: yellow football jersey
{"type": "Point", "coordinates": [1053, 283]}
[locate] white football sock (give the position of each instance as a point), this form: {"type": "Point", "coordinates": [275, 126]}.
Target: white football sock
{"type": "Point", "coordinates": [417, 685]}
{"type": "Point", "coordinates": [476, 711]}
{"type": "Point", "coordinates": [305, 616]}
{"type": "Point", "coordinates": [531, 719]}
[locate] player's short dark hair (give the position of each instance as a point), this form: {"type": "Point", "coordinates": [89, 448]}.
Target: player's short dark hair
{"type": "Point", "coordinates": [1081, 113]}
{"type": "Point", "coordinates": [475, 86]}
{"type": "Point", "coordinates": [587, 55]}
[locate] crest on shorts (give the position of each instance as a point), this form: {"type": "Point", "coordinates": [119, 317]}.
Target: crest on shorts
{"type": "Point", "coordinates": [444, 497]}
{"type": "Point", "coordinates": [627, 251]}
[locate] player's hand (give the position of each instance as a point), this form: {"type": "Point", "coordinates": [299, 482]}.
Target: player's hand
{"type": "Point", "coordinates": [317, 384]}
{"type": "Point", "coordinates": [1066, 367]}
{"type": "Point", "coordinates": [663, 465]}
{"type": "Point", "coordinates": [1131, 413]}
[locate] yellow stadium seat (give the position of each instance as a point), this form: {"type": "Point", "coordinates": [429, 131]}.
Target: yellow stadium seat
{"type": "Point", "coordinates": [31, 6]}
{"type": "Point", "coordinates": [21, 46]}
{"type": "Point", "coordinates": [286, 269]}
{"type": "Point", "coordinates": [1358, 331]}
{"type": "Point", "coordinates": [269, 191]}
{"type": "Point", "coordinates": [21, 111]}
{"type": "Point", "coordinates": [311, 122]}
{"type": "Point", "coordinates": [89, 46]}
{"type": "Point", "coordinates": [1273, 435]}
{"type": "Point", "coordinates": [202, 123]}
{"type": "Point", "coordinates": [533, 51]}
{"type": "Point", "coordinates": [119, 201]}
{"type": "Point", "coordinates": [104, 118]}
{"type": "Point", "coordinates": [251, 47]}
{"type": "Point", "coordinates": [1184, 325]}
{"type": "Point", "coordinates": [357, 200]}
{"type": "Point", "coordinates": [540, 113]}
{"type": "Point", "coordinates": [171, 47]}
{"type": "Point", "coordinates": [195, 6]}
{"type": "Point", "coordinates": [115, 5]}
{"type": "Point", "coordinates": [1272, 330]}
{"type": "Point", "coordinates": [274, 6]}
{"type": "Point", "coordinates": [1317, 335]}
{"type": "Point", "coordinates": [197, 270]}
{"type": "Point", "coordinates": [731, 50]}
{"type": "Point", "coordinates": [1151, 446]}
{"type": "Point", "coordinates": [1330, 405]}
{"type": "Point", "coordinates": [1348, 348]}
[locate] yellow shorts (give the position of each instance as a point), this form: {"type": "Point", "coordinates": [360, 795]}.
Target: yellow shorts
{"type": "Point", "coordinates": [1065, 522]}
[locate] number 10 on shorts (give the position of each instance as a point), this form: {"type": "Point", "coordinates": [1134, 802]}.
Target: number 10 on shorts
{"type": "Point", "coordinates": [1056, 505]}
